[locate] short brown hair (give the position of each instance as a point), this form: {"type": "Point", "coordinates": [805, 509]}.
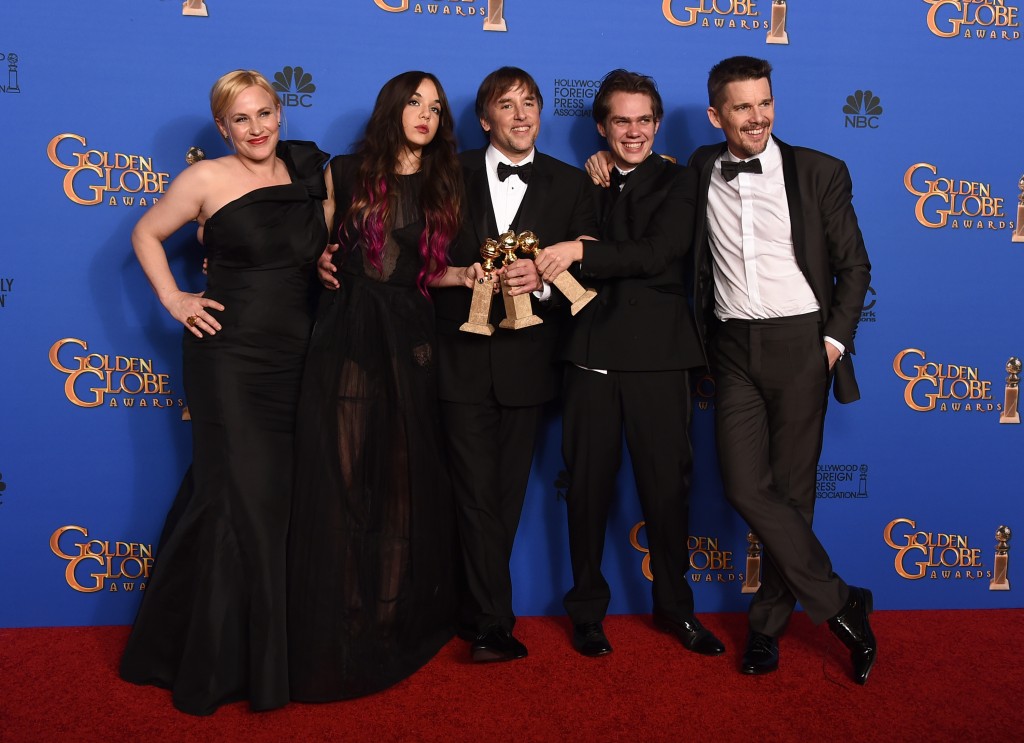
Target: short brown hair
{"type": "Point", "coordinates": [502, 80]}
{"type": "Point", "coordinates": [735, 69]}
{"type": "Point", "coordinates": [623, 81]}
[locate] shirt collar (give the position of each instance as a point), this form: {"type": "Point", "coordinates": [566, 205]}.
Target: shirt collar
{"type": "Point", "coordinates": [493, 157]}
{"type": "Point", "coordinates": [770, 159]}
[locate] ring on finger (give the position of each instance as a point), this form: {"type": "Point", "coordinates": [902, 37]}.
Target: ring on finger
{"type": "Point", "coordinates": [191, 320]}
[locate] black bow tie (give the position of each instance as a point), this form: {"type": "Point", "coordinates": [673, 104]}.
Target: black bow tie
{"type": "Point", "coordinates": [523, 171]}
{"type": "Point", "coordinates": [731, 169]}
{"type": "Point", "coordinates": [618, 179]}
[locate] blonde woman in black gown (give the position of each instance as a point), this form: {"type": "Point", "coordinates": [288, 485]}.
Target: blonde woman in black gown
{"type": "Point", "coordinates": [211, 626]}
{"type": "Point", "coordinates": [372, 544]}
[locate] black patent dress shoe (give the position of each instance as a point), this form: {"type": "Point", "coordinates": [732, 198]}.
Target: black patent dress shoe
{"type": "Point", "coordinates": [496, 644]}
{"type": "Point", "coordinates": [851, 626]}
{"type": "Point", "coordinates": [694, 635]}
{"type": "Point", "coordinates": [761, 655]}
{"type": "Point", "coordinates": [589, 639]}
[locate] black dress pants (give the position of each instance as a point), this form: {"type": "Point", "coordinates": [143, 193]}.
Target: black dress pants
{"type": "Point", "coordinates": [490, 450]}
{"type": "Point", "coordinates": [772, 383]}
{"type": "Point", "coordinates": [653, 408]}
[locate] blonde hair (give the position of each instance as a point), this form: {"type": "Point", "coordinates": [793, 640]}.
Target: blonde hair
{"type": "Point", "coordinates": [228, 87]}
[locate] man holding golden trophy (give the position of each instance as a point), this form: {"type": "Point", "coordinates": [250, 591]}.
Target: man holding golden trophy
{"type": "Point", "coordinates": [498, 368]}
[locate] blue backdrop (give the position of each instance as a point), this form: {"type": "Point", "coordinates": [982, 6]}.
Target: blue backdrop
{"type": "Point", "coordinates": [100, 101]}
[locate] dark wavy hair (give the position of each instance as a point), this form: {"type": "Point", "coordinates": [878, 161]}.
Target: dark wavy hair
{"type": "Point", "coordinates": [732, 70]}
{"type": "Point", "coordinates": [376, 182]}
{"type": "Point", "coordinates": [624, 81]}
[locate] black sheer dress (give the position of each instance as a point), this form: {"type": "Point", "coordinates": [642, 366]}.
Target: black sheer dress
{"type": "Point", "coordinates": [372, 545]}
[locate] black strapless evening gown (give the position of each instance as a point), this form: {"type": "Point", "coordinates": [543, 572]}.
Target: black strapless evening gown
{"type": "Point", "coordinates": [372, 543]}
{"type": "Point", "coordinates": [211, 626]}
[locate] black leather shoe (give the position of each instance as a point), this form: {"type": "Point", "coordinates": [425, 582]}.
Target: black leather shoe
{"type": "Point", "coordinates": [761, 655]}
{"type": "Point", "coordinates": [589, 639]}
{"type": "Point", "coordinates": [497, 644]}
{"type": "Point", "coordinates": [694, 635]}
{"type": "Point", "coordinates": [851, 626]}
{"type": "Point", "coordinates": [466, 631]}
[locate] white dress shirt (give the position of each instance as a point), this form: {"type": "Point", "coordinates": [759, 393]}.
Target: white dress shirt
{"type": "Point", "coordinates": [507, 196]}
{"type": "Point", "coordinates": [751, 237]}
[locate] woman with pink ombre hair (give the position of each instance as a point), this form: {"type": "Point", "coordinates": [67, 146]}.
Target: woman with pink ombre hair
{"type": "Point", "coordinates": [372, 545]}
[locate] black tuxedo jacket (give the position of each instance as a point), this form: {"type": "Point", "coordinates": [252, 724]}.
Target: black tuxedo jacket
{"type": "Point", "coordinates": [641, 319]}
{"type": "Point", "coordinates": [520, 365]}
{"type": "Point", "coordinates": [827, 242]}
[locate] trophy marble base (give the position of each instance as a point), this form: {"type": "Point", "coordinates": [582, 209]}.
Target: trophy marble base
{"type": "Point", "coordinates": [190, 7]}
{"type": "Point", "coordinates": [582, 302]}
{"type": "Point", "coordinates": [519, 323]}
{"type": "Point", "coordinates": [518, 311]}
{"type": "Point", "coordinates": [478, 328]}
{"type": "Point", "coordinates": [573, 291]}
{"type": "Point", "coordinates": [495, 25]}
{"type": "Point", "coordinates": [1015, 418]}
{"type": "Point", "coordinates": [480, 309]}
{"type": "Point", "coordinates": [782, 38]}
{"type": "Point", "coordinates": [1017, 237]}
{"type": "Point", "coordinates": [999, 586]}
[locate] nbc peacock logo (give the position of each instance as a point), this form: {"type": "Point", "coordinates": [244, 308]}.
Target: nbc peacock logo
{"type": "Point", "coordinates": [295, 86]}
{"type": "Point", "coordinates": [862, 110]}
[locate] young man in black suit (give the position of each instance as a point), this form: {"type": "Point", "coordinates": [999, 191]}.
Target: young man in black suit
{"type": "Point", "coordinates": [629, 351]}
{"type": "Point", "coordinates": [493, 388]}
{"type": "Point", "coordinates": [781, 262]}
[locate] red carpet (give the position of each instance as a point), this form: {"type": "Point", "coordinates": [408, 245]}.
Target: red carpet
{"type": "Point", "coordinates": [941, 675]}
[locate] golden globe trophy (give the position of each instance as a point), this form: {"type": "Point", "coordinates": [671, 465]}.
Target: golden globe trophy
{"type": "Point", "coordinates": [194, 7]}
{"type": "Point", "coordinates": [565, 281]}
{"type": "Point", "coordinates": [495, 21]}
{"type": "Point", "coordinates": [480, 309]}
{"type": "Point", "coordinates": [1010, 412]}
{"type": "Point", "coordinates": [194, 155]}
{"type": "Point", "coordinates": [1018, 231]}
{"type": "Point", "coordinates": [752, 580]}
{"type": "Point", "coordinates": [777, 32]}
{"type": "Point", "coordinates": [518, 308]}
{"type": "Point", "coordinates": [1000, 580]}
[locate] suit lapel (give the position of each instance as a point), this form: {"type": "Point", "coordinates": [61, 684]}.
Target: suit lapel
{"type": "Point", "coordinates": [531, 211]}
{"type": "Point", "coordinates": [615, 212]}
{"type": "Point", "coordinates": [796, 212]}
{"type": "Point", "coordinates": [479, 197]}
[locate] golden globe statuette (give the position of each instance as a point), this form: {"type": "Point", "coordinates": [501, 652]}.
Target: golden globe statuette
{"type": "Point", "coordinates": [194, 155]}
{"type": "Point", "coordinates": [194, 7]}
{"type": "Point", "coordinates": [777, 31]}
{"type": "Point", "coordinates": [518, 308]}
{"type": "Point", "coordinates": [565, 282]}
{"type": "Point", "coordinates": [480, 309]}
{"type": "Point", "coordinates": [1000, 581]}
{"type": "Point", "coordinates": [752, 580]}
{"type": "Point", "coordinates": [1018, 231]}
{"type": "Point", "coordinates": [495, 21]}
{"type": "Point", "coordinates": [1010, 412]}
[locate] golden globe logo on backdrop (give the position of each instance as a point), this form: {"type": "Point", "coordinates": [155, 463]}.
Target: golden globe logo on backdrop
{"type": "Point", "coordinates": [115, 381]}
{"type": "Point", "coordinates": [97, 176]}
{"type": "Point", "coordinates": [973, 19]}
{"type": "Point", "coordinates": [94, 564]}
{"type": "Point", "coordinates": [955, 203]}
{"type": "Point", "coordinates": [932, 555]}
{"type": "Point", "coordinates": [493, 15]}
{"type": "Point", "coordinates": [727, 14]}
{"type": "Point", "coordinates": [943, 387]}
{"type": "Point", "coordinates": [708, 562]}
